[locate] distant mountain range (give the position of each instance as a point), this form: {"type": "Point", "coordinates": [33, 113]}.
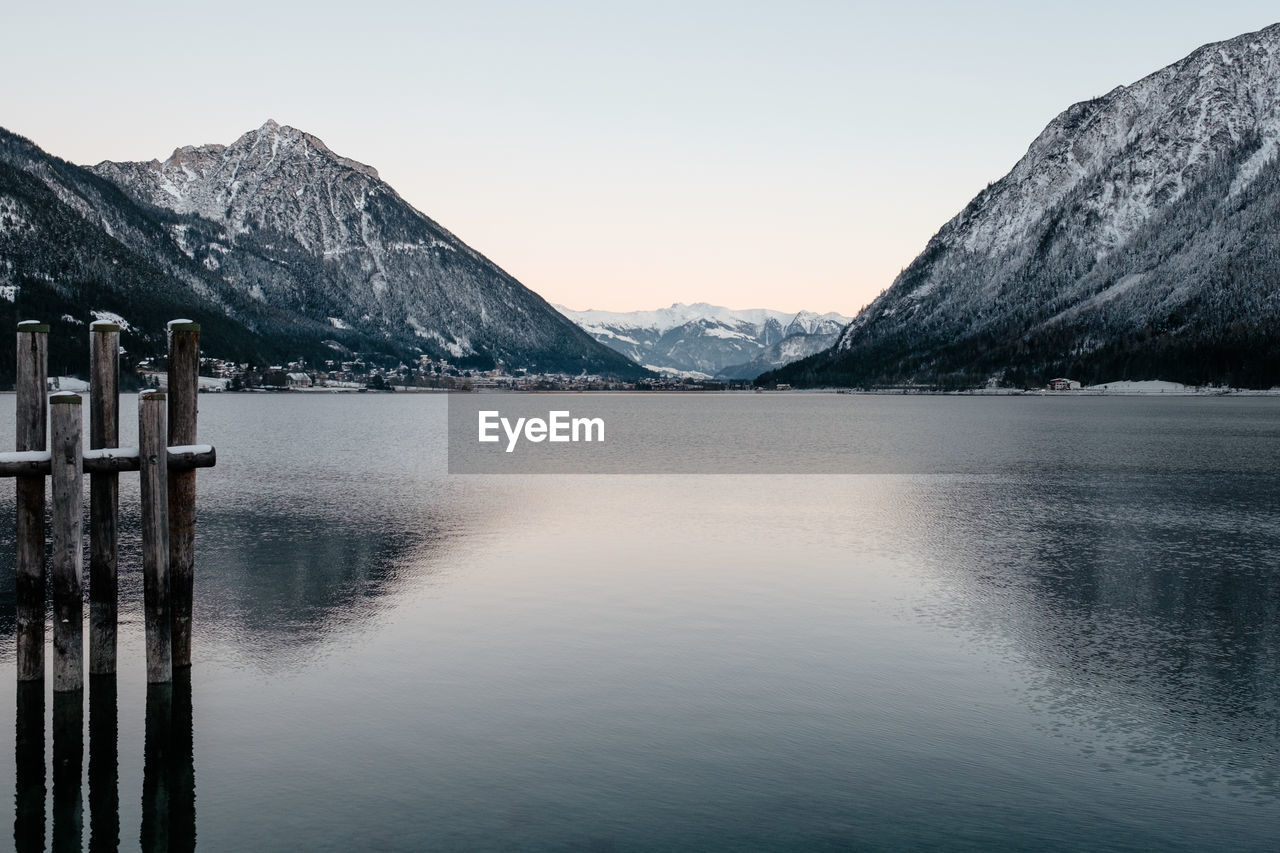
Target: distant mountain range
{"type": "Point", "coordinates": [709, 341]}
{"type": "Point", "coordinates": [278, 246]}
{"type": "Point", "coordinates": [1137, 239]}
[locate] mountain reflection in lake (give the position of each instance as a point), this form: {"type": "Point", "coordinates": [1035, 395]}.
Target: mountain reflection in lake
{"type": "Point", "coordinates": [1149, 607]}
{"type": "Point", "coordinates": [1063, 636]}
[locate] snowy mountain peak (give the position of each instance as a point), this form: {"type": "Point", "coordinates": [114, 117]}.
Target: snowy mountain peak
{"type": "Point", "coordinates": [1136, 234]}
{"type": "Point", "coordinates": [1142, 145]}
{"type": "Point", "coordinates": [275, 177]}
{"type": "Point", "coordinates": [705, 339]}
{"type": "Point", "coordinates": [679, 314]}
{"type": "Point", "coordinates": [296, 230]}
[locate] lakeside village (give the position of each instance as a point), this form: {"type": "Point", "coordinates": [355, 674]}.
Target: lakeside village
{"type": "Point", "coordinates": [428, 375]}
{"type": "Point", "coordinates": [425, 374]}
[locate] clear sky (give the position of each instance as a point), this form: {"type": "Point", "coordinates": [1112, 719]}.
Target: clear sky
{"type": "Point", "coordinates": [789, 155]}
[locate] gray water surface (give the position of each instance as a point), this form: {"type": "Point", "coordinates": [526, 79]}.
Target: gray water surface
{"type": "Point", "coordinates": [1063, 635]}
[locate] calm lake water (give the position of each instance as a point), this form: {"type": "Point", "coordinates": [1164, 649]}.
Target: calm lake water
{"type": "Point", "coordinates": [1066, 638]}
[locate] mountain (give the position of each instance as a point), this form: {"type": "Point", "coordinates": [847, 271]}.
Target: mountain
{"type": "Point", "coordinates": [74, 247]}
{"type": "Point", "coordinates": [783, 352]}
{"type": "Point", "coordinates": [299, 227]}
{"type": "Point", "coordinates": [709, 340]}
{"type": "Point", "coordinates": [1136, 239]}
{"type": "Point", "coordinates": [279, 246]}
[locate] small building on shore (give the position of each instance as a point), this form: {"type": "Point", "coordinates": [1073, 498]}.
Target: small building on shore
{"type": "Point", "coordinates": [1063, 384]}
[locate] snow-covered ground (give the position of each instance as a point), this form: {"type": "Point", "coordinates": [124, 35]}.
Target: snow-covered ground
{"type": "Point", "coordinates": [112, 317]}
{"type": "Point", "coordinates": [1149, 386]}
{"type": "Point", "coordinates": [68, 383]}
{"type": "Point", "coordinates": [1159, 386]}
{"type": "Point", "coordinates": [678, 374]}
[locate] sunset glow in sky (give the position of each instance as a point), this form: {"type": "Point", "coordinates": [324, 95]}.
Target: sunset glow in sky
{"type": "Point", "coordinates": [616, 156]}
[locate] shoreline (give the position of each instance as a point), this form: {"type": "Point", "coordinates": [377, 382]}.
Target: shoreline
{"type": "Point", "coordinates": [878, 392]}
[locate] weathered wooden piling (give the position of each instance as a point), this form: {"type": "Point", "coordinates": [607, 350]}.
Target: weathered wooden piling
{"type": "Point", "coordinates": [184, 387]}
{"type": "Point", "coordinates": [111, 460]}
{"type": "Point", "coordinates": [104, 496]}
{"type": "Point", "coordinates": [156, 580]}
{"type": "Point", "coordinates": [67, 561]}
{"type": "Point", "coordinates": [167, 506]}
{"type": "Point", "coordinates": [32, 382]}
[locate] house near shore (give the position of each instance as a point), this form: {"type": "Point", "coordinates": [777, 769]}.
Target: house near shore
{"type": "Point", "coordinates": [1062, 384]}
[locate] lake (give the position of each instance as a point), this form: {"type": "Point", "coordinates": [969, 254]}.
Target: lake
{"type": "Point", "coordinates": [1025, 623]}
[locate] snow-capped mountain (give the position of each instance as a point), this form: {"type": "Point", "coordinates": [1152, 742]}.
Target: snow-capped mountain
{"type": "Point", "coordinates": [783, 352]}
{"type": "Point", "coordinates": [74, 248]}
{"type": "Point", "coordinates": [1135, 239]}
{"type": "Point", "coordinates": [292, 227]}
{"type": "Point", "coordinates": [710, 340]}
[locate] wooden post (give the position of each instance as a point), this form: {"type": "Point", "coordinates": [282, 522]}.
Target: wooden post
{"type": "Point", "coordinates": [184, 385]}
{"type": "Point", "coordinates": [32, 388]}
{"type": "Point", "coordinates": [104, 495]}
{"type": "Point", "coordinates": [154, 471]}
{"type": "Point", "coordinates": [67, 559]}
{"type": "Point", "coordinates": [109, 460]}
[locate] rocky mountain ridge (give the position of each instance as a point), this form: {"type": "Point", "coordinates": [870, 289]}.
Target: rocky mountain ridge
{"type": "Point", "coordinates": [281, 248]}
{"type": "Point", "coordinates": [705, 340]}
{"type": "Point", "coordinates": [1134, 240]}
{"type": "Point", "coordinates": [291, 225]}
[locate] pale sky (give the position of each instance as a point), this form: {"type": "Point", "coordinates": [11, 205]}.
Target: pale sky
{"type": "Point", "coordinates": [616, 156]}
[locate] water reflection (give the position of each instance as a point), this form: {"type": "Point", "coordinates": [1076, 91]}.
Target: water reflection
{"type": "Point", "coordinates": [168, 783]}
{"type": "Point", "coordinates": [274, 585]}
{"type": "Point", "coordinates": [28, 823]}
{"type": "Point", "coordinates": [156, 761]}
{"type": "Point", "coordinates": [104, 773]}
{"type": "Point", "coordinates": [182, 804]}
{"type": "Point", "coordinates": [68, 766]}
{"type": "Point", "coordinates": [1147, 606]}
{"type": "Point", "coordinates": [168, 769]}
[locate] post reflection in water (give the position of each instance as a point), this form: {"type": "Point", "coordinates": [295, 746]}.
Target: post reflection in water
{"type": "Point", "coordinates": [104, 784]}
{"type": "Point", "coordinates": [168, 770]}
{"type": "Point", "coordinates": [156, 760]}
{"type": "Point", "coordinates": [182, 804]}
{"type": "Point", "coordinates": [28, 822]}
{"type": "Point", "coordinates": [68, 764]}
{"type": "Point", "coordinates": [168, 784]}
